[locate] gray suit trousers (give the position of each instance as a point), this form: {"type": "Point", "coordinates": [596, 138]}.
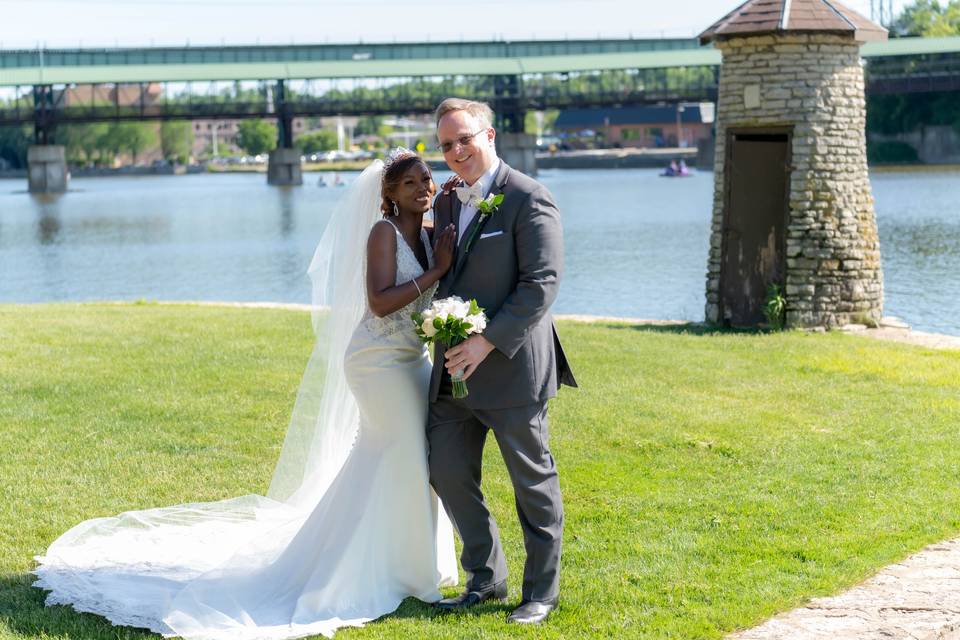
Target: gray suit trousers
{"type": "Point", "coordinates": [456, 435]}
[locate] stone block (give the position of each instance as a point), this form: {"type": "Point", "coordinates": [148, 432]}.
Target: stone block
{"type": "Point", "coordinates": [284, 167]}
{"type": "Point", "coordinates": [47, 169]}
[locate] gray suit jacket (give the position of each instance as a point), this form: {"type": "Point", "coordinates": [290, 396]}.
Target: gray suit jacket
{"type": "Point", "coordinates": [513, 270]}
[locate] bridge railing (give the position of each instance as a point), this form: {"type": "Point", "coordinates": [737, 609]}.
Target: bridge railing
{"type": "Point", "coordinates": [401, 96]}
{"type": "Point", "coordinates": [914, 74]}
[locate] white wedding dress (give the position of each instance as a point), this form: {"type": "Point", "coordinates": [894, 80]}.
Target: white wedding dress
{"type": "Point", "coordinates": [355, 532]}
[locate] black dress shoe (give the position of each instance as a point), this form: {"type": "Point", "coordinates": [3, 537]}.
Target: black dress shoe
{"type": "Point", "coordinates": [470, 598]}
{"type": "Point", "coordinates": [532, 612]}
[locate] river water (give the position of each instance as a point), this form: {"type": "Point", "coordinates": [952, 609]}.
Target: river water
{"type": "Point", "coordinates": [636, 244]}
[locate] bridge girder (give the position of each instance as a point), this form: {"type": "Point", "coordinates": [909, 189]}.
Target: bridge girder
{"type": "Point", "coordinates": [510, 95]}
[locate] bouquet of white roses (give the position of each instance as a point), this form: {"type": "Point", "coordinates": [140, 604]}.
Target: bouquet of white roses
{"type": "Point", "coordinates": [451, 321]}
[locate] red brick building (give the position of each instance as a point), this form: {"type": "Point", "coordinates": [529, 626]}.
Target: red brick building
{"type": "Point", "coordinates": [646, 127]}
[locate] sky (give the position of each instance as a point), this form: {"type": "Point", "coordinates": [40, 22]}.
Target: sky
{"type": "Point", "coordinates": [100, 23]}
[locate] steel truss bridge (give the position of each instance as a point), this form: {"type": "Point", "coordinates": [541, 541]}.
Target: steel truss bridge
{"type": "Point", "coordinates": [42, 87]}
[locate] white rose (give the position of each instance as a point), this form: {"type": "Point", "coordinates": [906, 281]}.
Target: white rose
{"type": "Point", "coordinates": [448, 307]}
{"type": "Point", "coordinates": [478, 323]}
{"type": "Point", "coordinates": [442, 311]}
{"type": "Point", "coordinates": [428, 329]}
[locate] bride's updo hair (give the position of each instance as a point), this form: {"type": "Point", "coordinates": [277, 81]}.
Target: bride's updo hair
{"type": "Point", "coordinates": [394, 168]}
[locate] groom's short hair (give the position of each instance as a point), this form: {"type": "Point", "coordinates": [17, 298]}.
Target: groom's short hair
{"type": "Point", "coordinates": [479, 110]}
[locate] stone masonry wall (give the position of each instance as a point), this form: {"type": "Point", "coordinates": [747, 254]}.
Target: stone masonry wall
{"type": "Point", "coordinates": [813, 83]}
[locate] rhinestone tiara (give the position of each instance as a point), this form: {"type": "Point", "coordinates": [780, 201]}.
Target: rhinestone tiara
{"type": "Point", "coordinates": [396, 154]}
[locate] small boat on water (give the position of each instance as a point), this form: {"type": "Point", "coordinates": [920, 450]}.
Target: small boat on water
{"type": "Point", "coordinates": [677, 170]}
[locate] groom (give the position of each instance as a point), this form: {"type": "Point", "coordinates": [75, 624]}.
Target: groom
{"type": "Point", "coordinates": [509, 261]}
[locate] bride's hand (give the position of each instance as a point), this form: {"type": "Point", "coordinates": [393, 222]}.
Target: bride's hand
{"type": "Point", "coordinates": [443, 248]}
{"type": "Point", "coordinates": [452, 182]}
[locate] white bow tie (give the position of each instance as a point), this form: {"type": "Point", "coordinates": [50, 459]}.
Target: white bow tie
{"type": "Point", "coordinates": [466, 195]}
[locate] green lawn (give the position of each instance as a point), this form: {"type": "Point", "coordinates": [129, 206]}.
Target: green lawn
{"type": "Point", "coordinates": [710, 480]}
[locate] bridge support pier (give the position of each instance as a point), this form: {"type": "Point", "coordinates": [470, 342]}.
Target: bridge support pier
{"type": "Point", "coordinates": [519, 150]}
{"type": "Point", "coordinates": [706, 150]}
{"type": "Point", "coordinates": [284, 168]}
{"type": "Point", "coordinates": [283, 165]}
{"type": "Point", "coordinates": [47, 168]}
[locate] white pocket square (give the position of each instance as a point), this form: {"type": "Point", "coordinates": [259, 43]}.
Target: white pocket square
{"type": "Point", "coordinates": [491, 234]}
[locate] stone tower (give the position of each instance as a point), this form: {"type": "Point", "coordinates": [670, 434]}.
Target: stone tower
{"type": "Point", "coordinates": [792, 200]}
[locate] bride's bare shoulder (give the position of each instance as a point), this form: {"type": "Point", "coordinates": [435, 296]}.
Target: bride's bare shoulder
{"type": "Point", "coordinates": [382, 236]}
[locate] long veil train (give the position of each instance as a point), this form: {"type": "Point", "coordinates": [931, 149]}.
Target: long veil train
{"type": "Point", "coordinates": [130, 568]}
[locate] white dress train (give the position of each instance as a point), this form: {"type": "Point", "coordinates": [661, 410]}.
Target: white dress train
{"type": "Point", "coordinates": [267, 570]}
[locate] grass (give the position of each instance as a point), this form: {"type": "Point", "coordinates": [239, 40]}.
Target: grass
{"type": "Point", "coordinates": [710, 480]}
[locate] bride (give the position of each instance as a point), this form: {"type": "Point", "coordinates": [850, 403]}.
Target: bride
{"type": "Point", "coordinates": [350, 526]}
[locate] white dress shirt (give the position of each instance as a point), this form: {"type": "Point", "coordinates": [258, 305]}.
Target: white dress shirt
{"type": "Point", "coordinates": [468, 211]}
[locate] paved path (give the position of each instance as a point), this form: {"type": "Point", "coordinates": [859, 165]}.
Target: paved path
{"type": "Point", "coordinates": [917, 599]}
{"type": "Point", "coordinates": [919, 338]}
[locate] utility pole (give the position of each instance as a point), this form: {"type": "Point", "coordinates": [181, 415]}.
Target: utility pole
{"type": "Point", "coordinates": [881, 11]}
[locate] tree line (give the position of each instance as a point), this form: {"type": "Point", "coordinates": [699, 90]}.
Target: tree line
{"type": "Point", "coordinates": [907, 112]}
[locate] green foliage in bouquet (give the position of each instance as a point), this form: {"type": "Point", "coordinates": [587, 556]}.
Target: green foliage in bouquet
{"type": "Point", "coordinates": [450, 331]}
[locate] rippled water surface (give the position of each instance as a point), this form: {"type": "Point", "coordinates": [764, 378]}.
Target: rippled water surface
{"type": "Point", "coordinates": [636, 244]}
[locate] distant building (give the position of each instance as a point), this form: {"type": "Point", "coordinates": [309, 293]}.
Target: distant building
{"type": "Point", "coordinates": [146, 96]}
{"type": "Point", "coordinates": [215, 134]}
{"type": "Point", "coordinates": [653, 126]}
{"type": "Point", "coordinates": [126, 95]}
{"type": "Point", "coordinates": [225, 132]}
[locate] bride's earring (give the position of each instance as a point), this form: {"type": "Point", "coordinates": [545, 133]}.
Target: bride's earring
{"type": "Point", "coordinates": [396, 210]}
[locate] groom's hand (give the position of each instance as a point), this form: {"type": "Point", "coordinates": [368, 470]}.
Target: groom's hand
{"type": "Point", "coordinates": [468, 355]}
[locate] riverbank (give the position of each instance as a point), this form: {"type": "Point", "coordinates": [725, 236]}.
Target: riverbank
{"type": "Point", "coordinates": [912, 168]}
{"type": "Point", "coordinates": [168, 170]}
{"type": "Point", "coordinates": [710, 479]}
{"type": "Point", "coordinates": [593, 159]}
{"type": "Point", "coordinates": [616, 158]}
{"type": "Point", "coordinates": [587, 159]}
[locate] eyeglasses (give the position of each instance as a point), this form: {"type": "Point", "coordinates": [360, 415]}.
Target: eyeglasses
{"type": "Point", "coordinates": [462, 141]}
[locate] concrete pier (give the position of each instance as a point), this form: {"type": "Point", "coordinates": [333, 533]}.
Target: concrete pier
{"type": "Point", "coordinates": [519, 150]}
{"type": "Point", "coordinates": [284, 167]}
{"type": "Point", "coordinates": [47, 168]}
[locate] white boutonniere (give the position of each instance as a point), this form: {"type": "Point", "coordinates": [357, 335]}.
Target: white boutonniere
{"type": "Point", "coordinates": [489, 205]}
{"type": "Point", "coordinates": [485, 208]}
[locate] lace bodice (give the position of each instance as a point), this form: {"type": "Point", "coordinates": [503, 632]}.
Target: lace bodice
{"type": "Point", "coordinates": [408, 268]}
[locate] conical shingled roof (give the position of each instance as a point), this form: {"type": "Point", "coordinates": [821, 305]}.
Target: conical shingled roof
{"type": "Point", "coordinates": [756, 17]}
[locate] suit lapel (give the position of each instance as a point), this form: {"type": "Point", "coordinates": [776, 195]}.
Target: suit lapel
{"type": "Point", "coordinates": [462, 252]}
{"type": "Point", "coordinates": [450, 204]}
{"type": "Point", "coordinates": [455, 206]}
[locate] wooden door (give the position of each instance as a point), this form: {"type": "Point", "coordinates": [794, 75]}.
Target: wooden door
{"type": "Point", "coordinates": [758, 178]}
